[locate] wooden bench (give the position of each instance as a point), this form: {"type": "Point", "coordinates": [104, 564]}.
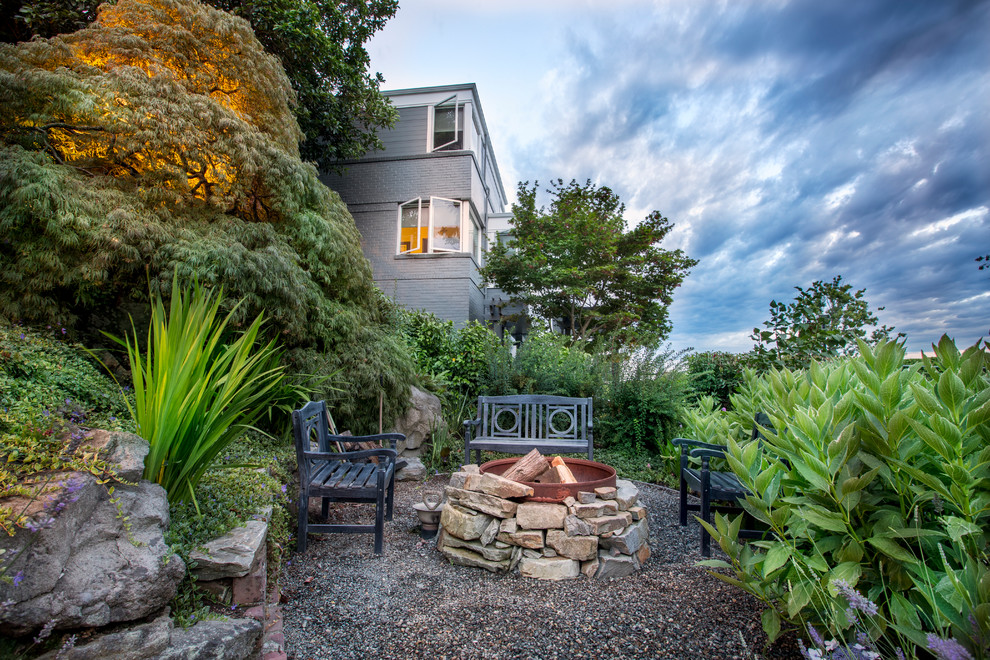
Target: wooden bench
{"type": "Point", "coordinates": [367, 475]}
{"type": "Point", "coordinates": [519, 423]}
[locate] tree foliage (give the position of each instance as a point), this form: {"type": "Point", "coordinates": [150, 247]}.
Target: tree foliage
{"type": "Point", "coordinates": [823, 321]}
{"type": "Point", "coordinates": [160, 140]}
{"type": "Point", "coordinates": [319, 43]}
{"type": "Point", "coordinates": [576, 262]}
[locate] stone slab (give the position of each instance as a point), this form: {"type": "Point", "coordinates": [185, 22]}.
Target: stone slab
{"type": "Point", "coordinates": [606, 492]}
{"type": "Point", "coordinates": [596, 509]}
{"type": "Point", "coordinates": [637, 512]}
{"type": "Point", "coordinates": [465, 480]}
{"type": "Point", "coordinates": [581, 548]}
{"type": "Point", "coordinates": [465, 557]}
{"type": "Point", "coordinates": [618, 566]}
{"type": "Point", "coordinates": [630, 539]}
{"type": "Point", "coordinates": [541, 515]}
{"type": "Point", "coordinates": [491, 553]}
{"type": "Point", "coordinates": [463, 523]}
{"type": "Point", "coordinates": [626, 495]}
{"type": "Point", "coordinates": [549, 568]}
{"type": "Point", "coordinates": [574, 526]}
{"type": "Point", "coordinates": [499, 486]}
{"type": "Point", "coordinates": [232, 555]}
{"type": "Point", "coordinates": [607, 524]}
{"type": "Point", "coordinates": [531, 538]}
{"type": "Point", "coordinates": [493, 506]}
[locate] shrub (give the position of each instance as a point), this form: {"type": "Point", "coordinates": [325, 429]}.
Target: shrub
{"type": "Point", "coordinates": [194, 394]}
{"type": "Point", "coordinates": [548, 364]}
{"type": "Point", "coordinates": [449, 358]}
{"type": "Point", "coordinates": [714, 373]}
{"type": "Point", "coordinates": [123, 161]}
{"type": "Point", "coordinates": [877, 479]}
{"type": "Point", "coordinates": [642, 410]}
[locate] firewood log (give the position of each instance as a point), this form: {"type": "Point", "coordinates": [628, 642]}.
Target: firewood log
{"type": "Point", "coordinates": [563, 472]}
{"type": "Point", "coordinates": [528, 468]}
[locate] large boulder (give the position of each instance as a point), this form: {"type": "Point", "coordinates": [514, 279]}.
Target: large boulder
{"type": "Point", "coordinates": [89, 558]}
{"type": "Point", "coordinates": [421, 417]}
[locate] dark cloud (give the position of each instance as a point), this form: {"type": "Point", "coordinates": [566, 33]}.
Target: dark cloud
{"type": "Point", "coordinates": [794, 142]}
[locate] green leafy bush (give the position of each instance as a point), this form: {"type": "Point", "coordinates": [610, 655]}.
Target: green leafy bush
{"type": "Point", "coordinates": [50, 392]}
{"type": "Point", "coordinates": [112, 180]}
{"type": "Point", "coordinates": [550, 364]}
{"type": "Point", "coordinates": [643, 404]}
{"type": "Point", "coordinates": [877, 479]}
{"type": "Point", "coordinates": [193, 393]}
{"type": "Point", "coordinates": [714, 373]}
{"type": "Point", "coordinates": [449, 358]}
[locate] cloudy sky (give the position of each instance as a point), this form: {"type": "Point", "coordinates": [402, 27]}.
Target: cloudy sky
{"type": "Point", "coordinates": [787, 141]}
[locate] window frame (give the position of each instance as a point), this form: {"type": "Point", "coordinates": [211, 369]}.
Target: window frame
{"type": "Point", "coordinates": [458, 128]}
{"type": "Point", "coordinates": [430, 225]}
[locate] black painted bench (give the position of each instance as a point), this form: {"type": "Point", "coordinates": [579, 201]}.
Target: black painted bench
{"type": "Point", "coordinates": [519, 423]}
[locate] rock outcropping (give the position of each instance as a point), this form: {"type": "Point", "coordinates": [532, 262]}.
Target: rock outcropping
{"type": "Point", "coordinates": [89, 558]}
{"type": "Point", "coordinates": [417, 424]}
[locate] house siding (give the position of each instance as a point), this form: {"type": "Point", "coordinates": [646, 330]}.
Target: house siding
{"type": "Point", "coordinates": [448, 285]}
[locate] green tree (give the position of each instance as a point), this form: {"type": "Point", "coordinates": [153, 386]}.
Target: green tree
{"type": "Point", "coordinates": [160, 140]}
{"type": "Point", "coordinates": [576, 262]}
{"type": "Point", "coordinates": [319, 43]}
{"type": "Point", "coordinates": [823, 321]}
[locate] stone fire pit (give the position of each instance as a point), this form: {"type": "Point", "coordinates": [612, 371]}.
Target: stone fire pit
{"type": "Point", "coordinates": [493, 523]}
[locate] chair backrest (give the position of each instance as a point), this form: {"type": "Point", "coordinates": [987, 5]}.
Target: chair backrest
{"type": "Point", "coordinates": [307, 422]}
{"type": "Point", "coordinates": [535, 416]}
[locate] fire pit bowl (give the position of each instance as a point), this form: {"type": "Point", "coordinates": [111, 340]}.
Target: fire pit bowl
{"type": "Point", "coordinates": [589, 474]}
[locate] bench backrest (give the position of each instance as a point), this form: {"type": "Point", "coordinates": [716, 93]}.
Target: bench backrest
{"type": "Point", "coordinates": [535, 416]}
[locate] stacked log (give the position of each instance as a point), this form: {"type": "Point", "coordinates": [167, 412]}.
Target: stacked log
{"type": "Point", "coordinates": [487, 524]}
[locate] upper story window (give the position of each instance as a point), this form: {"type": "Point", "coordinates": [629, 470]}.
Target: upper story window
{"type": "Point", "coordinates": [448, 125]}
{"type": "Point", "coordinates": [436, 225]}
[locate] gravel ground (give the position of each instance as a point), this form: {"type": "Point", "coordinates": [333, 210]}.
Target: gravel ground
{"type": "Point", "coordinates": [343, 602]}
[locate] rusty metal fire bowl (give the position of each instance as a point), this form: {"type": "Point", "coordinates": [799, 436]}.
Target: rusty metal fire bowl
{"type": "Point", "coordinates": [589, 474]}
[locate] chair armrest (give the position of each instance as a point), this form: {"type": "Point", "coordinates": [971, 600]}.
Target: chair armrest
{"type": "Point", "coordinates": [472, 422]}
{"type": "Point", "coordinates": [686, 444]}
{"type": "Point", "coordinates": [387, 454]}
{"type": "Point", "coordinates": [708, 452]}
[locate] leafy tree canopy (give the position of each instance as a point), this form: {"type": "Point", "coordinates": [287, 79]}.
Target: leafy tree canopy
{"type": "Point", "coordinates": [320, 44]}
{"type": "Point", "coordinates": [577, 262]}
{"type": "Point", "coordinates": [160, 139]}
{"type": "Point", "coordinates": [823, 321]}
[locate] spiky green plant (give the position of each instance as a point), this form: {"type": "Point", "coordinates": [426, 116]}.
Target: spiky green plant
{"type": "Point", "coordinates": [193, 393]}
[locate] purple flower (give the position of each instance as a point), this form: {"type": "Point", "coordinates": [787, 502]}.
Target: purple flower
{"type": "Point", "coordinates": [22, 335]}
{"type": "Point", "coordinates": [947, 649]}
{"type": "Point", "coordinates": [857, 601]}
{"type": "Point", "coordinates": [63, 331]}
{"type": "Point", "coordinates": [815, 637]}
{"type": "Point", "coordinates": [18, 578]}
{"type": "Point", "coordinates": [283, 489]}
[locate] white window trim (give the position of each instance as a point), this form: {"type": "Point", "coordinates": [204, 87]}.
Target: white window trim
{"type": "Point", "coordinates": [458, 105]}
{"type": "Point", "coordinates": [461, 209]}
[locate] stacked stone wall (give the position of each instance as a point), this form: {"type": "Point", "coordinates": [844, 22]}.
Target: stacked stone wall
{"type": "Point", "coordinates": [486, 523]}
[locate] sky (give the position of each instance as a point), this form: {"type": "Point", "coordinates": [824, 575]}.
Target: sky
{"type": "Point", "coordinates": [787, 141]}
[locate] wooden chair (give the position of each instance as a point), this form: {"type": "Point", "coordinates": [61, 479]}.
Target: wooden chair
{"type": "Point", "coordinates": [713, 485]}
{"type": "Point", "coordinates": [358, 476]}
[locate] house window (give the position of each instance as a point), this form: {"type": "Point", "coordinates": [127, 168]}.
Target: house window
{"type": "Point", "coordinates": [429, 227]}
{"type": "Point", "coordinates": [448, 125]}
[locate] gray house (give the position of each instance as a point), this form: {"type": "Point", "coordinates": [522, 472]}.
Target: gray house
{"type": "Point", "coordinates": [423, 204]}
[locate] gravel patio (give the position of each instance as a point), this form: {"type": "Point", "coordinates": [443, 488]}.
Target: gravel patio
{"type": "Point", "coordinates": [340, 601]}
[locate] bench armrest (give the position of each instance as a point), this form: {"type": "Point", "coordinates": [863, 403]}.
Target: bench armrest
{"type": "Point", "coordinates": [472, 422]}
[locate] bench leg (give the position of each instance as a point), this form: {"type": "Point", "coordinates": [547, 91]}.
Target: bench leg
{"type": "Point", "coordinates": [303, 520]}
{"type": "Point", "coordinates": [477, 456]}
{"type": "Point", "coordinates": [684, 508]}
{"type": "Point", "coordinates": [380, 515]}
{"type": "Point", "coordinates": [326, 507]}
